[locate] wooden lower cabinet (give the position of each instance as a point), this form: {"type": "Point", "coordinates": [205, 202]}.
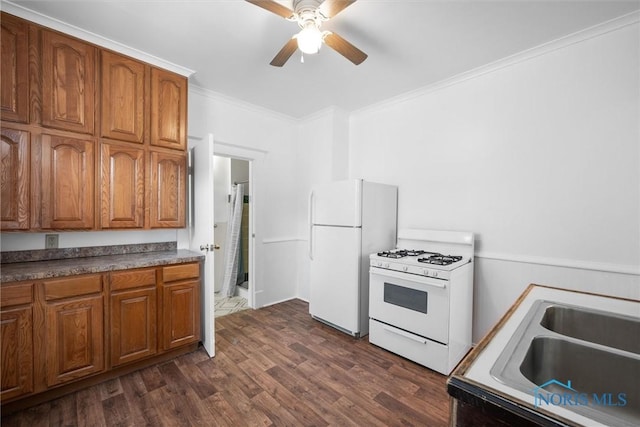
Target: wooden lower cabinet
{"type": "Point", "coordinates": [180, 305]}
{"type": "Point", "coordinates": [58, 334]}
{"type": "Point", "coordinates": [16, 340]}
{"type": "Point", "coordinates": [74, 328]}
{"type": "Point", "coordinates": [133, 315]}
{"type": "Point", "coordinates": [181, 314]}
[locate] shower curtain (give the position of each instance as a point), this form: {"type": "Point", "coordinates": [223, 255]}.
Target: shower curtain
{"type": "Point", "coordinates": [232, 249]}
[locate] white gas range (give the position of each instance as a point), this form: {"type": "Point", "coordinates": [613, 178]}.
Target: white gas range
{"type": "Point", "coordinates": [421, 297]}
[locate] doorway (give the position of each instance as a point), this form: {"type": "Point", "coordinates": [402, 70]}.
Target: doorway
{"type": "Point", "coordinates": [232, 209]}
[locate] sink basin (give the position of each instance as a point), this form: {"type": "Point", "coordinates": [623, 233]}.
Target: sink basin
{"type": "Point", "coordinates": [594, 326]}
{"type": "Point", "coordinates": [587, 356]}
{"type": "Point", "coordinates": [591, 370]}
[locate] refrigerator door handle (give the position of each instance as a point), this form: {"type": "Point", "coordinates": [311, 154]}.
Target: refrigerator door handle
{"type": "Point", "coordinates": [311, 226]}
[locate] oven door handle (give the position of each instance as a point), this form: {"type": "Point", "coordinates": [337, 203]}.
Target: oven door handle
{"type": "Point", "coordinates": [405, 334]}
{"type": "Point", "coordinates": [409, 277]}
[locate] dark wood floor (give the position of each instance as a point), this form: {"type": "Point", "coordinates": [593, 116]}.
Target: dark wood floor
{"type": "Point", "coordinates": [273, 366]}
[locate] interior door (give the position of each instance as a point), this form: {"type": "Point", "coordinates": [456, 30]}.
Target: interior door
{"type": "Point", "coordinates": [201, 233]}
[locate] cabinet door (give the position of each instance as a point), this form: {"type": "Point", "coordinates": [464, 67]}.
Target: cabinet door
{"type": "Point", "coordinates": [180, 314]}
{"type": "Point", "coordinates": [74, 338]}
{"type": "Point", "coordinates": [133, 325]}
{"type": "Point", "coordinates": [14, 180]}
{"type": "Point", "coordinates": [14, 74]}
{"type": "Point", "coordinates": [122, 187]}
{"type": "Point", "coordinates": [133, 315]}
{"type": "Point", "coordinates": [168, 188]}
{"type": "Point", "coordinates": [67, 183]}
{"type": "Point", "coordinates": [168, 109]}
{"type": "Point", "coordinates": [123, 97]}
{"type": "Point", "coordinates": [68, 83]}
{"type": "Point", "coordinates": [16, 329]}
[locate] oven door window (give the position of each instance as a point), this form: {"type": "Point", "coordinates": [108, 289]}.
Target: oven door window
{"type": "Point", "coordinates": [408, 298]}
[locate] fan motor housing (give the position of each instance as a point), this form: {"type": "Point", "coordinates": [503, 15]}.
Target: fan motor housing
{"type": "Point", "coordinates": [302, 7]}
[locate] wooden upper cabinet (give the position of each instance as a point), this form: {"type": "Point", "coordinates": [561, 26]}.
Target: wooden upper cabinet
{"type": "Point", "coordinates": [122, 186]}
{"type": "Point", "coordinates": [68, 83]}
{"type": "Point", "coordinates": [168, 190]}
{"type": "Point", "coordinates": [123, 97]}
{"type": "Point", "coordinates": [14, 180]}
{"type": "Point", "coordinates": [14, 75]}
{"type": "Point", "coordinates": [168, 109]}
{"type": "Point", "coordinates": [67, 183]}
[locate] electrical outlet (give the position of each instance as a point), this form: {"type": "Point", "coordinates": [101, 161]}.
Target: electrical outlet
{"type": "Point", "coordinates": [51, 241]}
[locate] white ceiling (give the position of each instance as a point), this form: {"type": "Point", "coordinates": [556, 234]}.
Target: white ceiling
{"type": "Point", "coordinates": [411, 44]}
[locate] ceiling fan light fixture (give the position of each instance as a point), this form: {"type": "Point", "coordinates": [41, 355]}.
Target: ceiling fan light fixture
{"type": "Point", "coordinates": [309, 39]}
{"type": "Point", "coordinates": [310, 14]}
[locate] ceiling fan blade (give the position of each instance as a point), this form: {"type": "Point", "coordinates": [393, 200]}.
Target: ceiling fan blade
{"type": "Point", "coordinates": [345, 48]}
{"type": "Point", "coordinates": [330, 8]}
{"type": "Point", "coordinates": [273, 7]}
{"type": "Point", "coordinates": [285, 53]}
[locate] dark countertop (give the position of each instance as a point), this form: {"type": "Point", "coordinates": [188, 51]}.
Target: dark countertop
{"type": "Point", "coordinates": [36, 270]}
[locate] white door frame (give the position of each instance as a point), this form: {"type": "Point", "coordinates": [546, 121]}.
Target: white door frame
{"type": "Point", "coordinates": [254, 157]}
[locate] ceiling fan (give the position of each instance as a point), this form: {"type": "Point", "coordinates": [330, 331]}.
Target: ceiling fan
{"type": "Point", "coordinates": [310, 14]}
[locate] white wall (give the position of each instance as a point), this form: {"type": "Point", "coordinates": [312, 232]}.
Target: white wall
{"type": "Point", "coordinates": [31, 241]}
{"type": "Point", "coordinates": [539, 156]}
{"type": "Point", "coordinates": [269, 138]}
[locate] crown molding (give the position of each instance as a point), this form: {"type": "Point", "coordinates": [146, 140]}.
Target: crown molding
{"type": "Point", "coordinates": [208, 93]}
{"type": "Point", "coordinates": [55, 24]}
{"type": "Point", "coordinates": [520, 57]}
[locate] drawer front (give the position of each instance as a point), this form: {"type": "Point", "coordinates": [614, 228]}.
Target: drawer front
{"type": "Point", "coordinates": [180, 272]}
{"type": "Point", "coordinates": [427, 353]}
{"type": "Point", "coordinates": [16, 294]}
{"type": "Point", "coordinates": [130, 279]}
{"type": "Point", "coordinates": [72, 286]}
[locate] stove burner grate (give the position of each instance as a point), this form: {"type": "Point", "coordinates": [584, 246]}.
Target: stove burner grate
{"type": "Point", "coordinates": [390, 254]}
{"type": "Point", "coordinates": [439, 259]}
{"type": "Point", "coordinates": [401, 253]}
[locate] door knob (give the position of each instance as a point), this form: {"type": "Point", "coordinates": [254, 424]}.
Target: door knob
{"type": "Point", "coordinates": [209, 247]}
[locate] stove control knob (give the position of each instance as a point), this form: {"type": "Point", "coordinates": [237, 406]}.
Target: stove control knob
{"type": "Point", "coordinates": [425, 272]}
{"type": "Point", "coordinates": [434, 274]}
{"type": "Point", "coordinates": [386, 265]}
{"type": "Point", "coordinates": [405, 268]}
{"type": "Point", "coordinates": [379, 264]}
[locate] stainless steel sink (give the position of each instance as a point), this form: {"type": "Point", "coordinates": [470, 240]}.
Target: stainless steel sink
{"type": "Point", "coordinates": [586, 357]}
{"type": "Point", "coordinates": [608, 329]}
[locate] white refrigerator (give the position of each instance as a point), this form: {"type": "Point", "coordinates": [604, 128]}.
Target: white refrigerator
{"type": "Point", "coordinates": [348, 220]}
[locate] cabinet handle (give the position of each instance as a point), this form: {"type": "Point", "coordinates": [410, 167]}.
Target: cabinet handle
{"type": "Point", "coordinates": [405, 334]}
